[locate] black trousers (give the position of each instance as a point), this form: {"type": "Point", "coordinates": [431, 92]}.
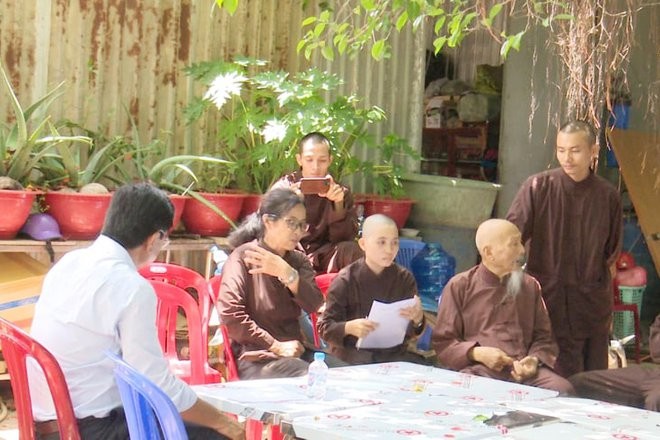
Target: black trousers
{"type": "Point", "coordinates": [114, 427]}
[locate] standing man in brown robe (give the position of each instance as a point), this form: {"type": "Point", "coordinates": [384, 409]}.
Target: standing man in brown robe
{"type": "Point", "coordinates": [373, 278]}
{"type": "Point", "coordinates": [635, 385]}
{"type": "Point", "coordinates": [330, 242]}
{"type": "Point", "coordinates": [572, 223]}
{"type": "Point", "coordinates": [492, 320]}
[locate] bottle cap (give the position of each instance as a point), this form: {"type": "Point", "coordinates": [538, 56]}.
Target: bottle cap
{"type": "Point", "coordinates": [319, 356]}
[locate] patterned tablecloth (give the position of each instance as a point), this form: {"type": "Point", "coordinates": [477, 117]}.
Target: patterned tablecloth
{"type": "Point", "coordinates": [408, 401]}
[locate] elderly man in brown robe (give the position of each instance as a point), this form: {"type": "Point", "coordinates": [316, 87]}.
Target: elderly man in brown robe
{"type": "Point", "coordinates": [636, 385]}
{"type": "Point", "coordinates": [330, 242]}
{"type": "Point", "coordinates": [571, 221]}
{"type": "Point", "coordinates": [373, 278]}
{"type": "Point", "coordinates": [492, 320]}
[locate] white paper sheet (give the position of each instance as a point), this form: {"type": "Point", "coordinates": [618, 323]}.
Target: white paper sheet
{"type": "Point", "coordinates": [391, 326]}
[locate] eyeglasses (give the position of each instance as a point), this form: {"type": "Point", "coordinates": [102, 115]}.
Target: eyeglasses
{"type": "Point", "coordinates": [164, 236]}
{"type": "Point", "coordinates": [293, 224]}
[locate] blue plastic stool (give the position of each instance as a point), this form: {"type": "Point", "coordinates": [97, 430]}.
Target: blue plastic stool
{"type": "Point", "coordinates": [147, 407]}
{"type": "Point", "coordinates": [407, 250]}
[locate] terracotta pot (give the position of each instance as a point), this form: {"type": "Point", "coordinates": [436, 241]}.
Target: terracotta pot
{"type": "Point", "coordinates": [179, 203]}
{"type": "Point", "coordinates": [250, 205]}
{"type": "Point", "coordinates": [203, 221]}
{"type": "Point", "coordinates": [80, 216]}
{"type": "Point", "coordinates": [396, 209]}
{"type": "Point", "coordinates": [14, 210]}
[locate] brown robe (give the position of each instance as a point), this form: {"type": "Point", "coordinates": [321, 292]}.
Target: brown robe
{"type": "Point", "coordinates": [329, 232]}
{"type": "Point", "coordinates": [350, 297]}
{"type": "Point", "coordinates": [573, 233]}
{"type": "Point", "coordinates": [635, 385]}
{"type": "Point", "coordinates": [258, 309]}
{"type": "Point", "coordinates": [476, 310]}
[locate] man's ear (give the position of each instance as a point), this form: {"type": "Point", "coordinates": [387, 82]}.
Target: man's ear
{"type": "Point", "coordinates": [150, 242]}
{"type": "Point", "coordinates": [299, 159]}
{"type": "Point", "coordinates": [487, 252]}
{"type": "Point", "coordinates": [361, 243]}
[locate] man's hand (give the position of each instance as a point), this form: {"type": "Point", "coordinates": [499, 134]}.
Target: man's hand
{"type": "Point", "coordinates": [230, 428]}
{"type": "Point", "coordinates": [360, 327]}
{"type": "Point", "coordinates": [415, 313]}
{"type": "Point", "coordinates": [525, 368]}
{"type": "Point", "coordinates": [287, 348]}
{"type": "Point", "coordinates": [335, 192]}
{"type": "Point", "coordinates": [492, 357]}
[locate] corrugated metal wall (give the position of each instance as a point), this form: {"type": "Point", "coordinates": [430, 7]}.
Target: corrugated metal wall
{"type": "Point", "coordinates": [127, 54]}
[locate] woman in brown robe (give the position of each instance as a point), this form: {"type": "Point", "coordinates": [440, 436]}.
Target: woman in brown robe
{"type": "Point", "coordinates": [265, 285]}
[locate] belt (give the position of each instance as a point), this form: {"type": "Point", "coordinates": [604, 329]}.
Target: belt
{"type": "Point", "coordinates": [46, 428]}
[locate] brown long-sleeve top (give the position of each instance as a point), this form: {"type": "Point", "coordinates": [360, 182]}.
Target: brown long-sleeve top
{"type": "Point", "coordinates": [257, 309]}
{"type": "Point", "coordinates": [475, 310]}
{"type": "Point", "coordinates": [326, 225]}
{"type": "Point", "coordinates": [350, 297]}
{"type": "Point", "coordinates": [654, 340]}
{"type": "Point", "coordinates": [573, 232]}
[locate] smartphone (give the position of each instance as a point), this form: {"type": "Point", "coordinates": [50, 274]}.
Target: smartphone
{"type": "Point", "coordinates": [314, 185]}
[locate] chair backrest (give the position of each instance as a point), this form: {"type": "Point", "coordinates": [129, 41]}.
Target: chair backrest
{"type": "Point", "coordinates": [230, 360]}
{"type": "Point", "coordinates": [185, 278]}
{"type": "Point", "coordinates": [407, 250]}
{"type": "Point", "coordinates": [214, 285]}
{"type": "Point", "coordinates": [170, 299]}
{"type": "Point", "coordinates": [17, 347]}
{"type": "Point", "coordinates": [149, 411]}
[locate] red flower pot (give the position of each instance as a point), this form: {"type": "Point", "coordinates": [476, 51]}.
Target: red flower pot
{"type": "Point", "coordinates": [14, 210]}
{"type": "Point", "coordinates": [179, 203]}
{"type": "Point", "coordinates": [250, 205]}
{"type": "Point", "coordinates": [396, 209]}
{"type": "Point", "coordinates": [80, 216]}
{"type": "Point", "coordinates": [201, 220]}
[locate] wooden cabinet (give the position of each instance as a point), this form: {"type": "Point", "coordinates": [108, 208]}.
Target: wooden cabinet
{"type": "Point", "coordinates": [455, 152]}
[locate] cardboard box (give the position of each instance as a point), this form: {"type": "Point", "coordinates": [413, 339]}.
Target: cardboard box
{"type": "Point", "coordinates": [21, 278]}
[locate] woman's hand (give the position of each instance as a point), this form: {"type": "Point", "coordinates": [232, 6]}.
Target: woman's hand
{"type": "Point", "coordinates": [261, 260]}
{"type": "Point", "coordinates": [287, 348]}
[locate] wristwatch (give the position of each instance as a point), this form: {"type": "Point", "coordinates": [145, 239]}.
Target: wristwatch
{"type": "Point", "coordinates": [290, 279]}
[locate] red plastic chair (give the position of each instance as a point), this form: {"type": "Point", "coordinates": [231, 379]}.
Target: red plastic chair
{"type": "Point", "coordinates": [214, 285]}
{"type": "Point", "coordinates": [195, 370]}
{"type": "Point", "coordinates": [17, 346]}
{"type": "Point", "coordinates": [185, 278]}
{"type": "Point", "coordinates": [323, 281]}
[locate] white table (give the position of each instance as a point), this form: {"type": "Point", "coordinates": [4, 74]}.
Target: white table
{"type": "Point", "coordinates": [402, 400]}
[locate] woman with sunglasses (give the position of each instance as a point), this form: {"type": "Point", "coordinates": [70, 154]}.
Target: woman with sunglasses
{"type": "Point", "coordinates": [265, 284]}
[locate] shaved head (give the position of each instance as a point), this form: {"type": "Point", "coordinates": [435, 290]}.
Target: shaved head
{"type": "Point", "coordinates": [375, 222]}
{"type": "Point", "coordinates": [493, 231]}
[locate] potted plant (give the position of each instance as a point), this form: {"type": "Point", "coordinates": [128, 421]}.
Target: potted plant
{"type": "Point", "coordinates": [23, 145]}
{"type": "Point", "coordinates": [386, 176]}
{"type": "Point", "coordinates": [262, 114]}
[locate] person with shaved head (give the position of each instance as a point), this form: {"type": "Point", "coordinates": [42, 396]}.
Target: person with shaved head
{"type": "Point", "coordinates": [572, 225]}
{"type": "Point", "coordinates": [373, 278]}
{"type": "Point", "coordinates": [492, 321]}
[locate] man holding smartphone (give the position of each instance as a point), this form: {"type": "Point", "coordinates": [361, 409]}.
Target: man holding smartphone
{"type": "Point", "coordinates": [330, 242]}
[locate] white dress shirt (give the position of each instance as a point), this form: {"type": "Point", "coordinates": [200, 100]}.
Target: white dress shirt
{"type": "Point", "coordinates": [94, 300]}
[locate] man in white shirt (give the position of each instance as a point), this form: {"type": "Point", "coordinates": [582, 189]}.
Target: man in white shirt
{"type": "Point", "coordinates": [94, 300]}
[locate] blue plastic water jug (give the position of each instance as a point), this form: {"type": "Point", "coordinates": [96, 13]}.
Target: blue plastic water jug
{"type": "Point", "coordinates": [432, 268]}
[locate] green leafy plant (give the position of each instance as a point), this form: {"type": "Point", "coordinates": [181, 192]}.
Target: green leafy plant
{"type": "Point", "coordinates": [25, 143]}
{"type": "Point", "coordinates": [386, 176]}
{"type": "Point", "coordinates": [261, 115]}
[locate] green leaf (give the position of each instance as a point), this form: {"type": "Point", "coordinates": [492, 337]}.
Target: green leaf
{"type": "Point", "coordinates": [563, 17]}
{"type": "Point", "coordinates": [439, 23]}
{"type": "Point", "coordinates": [494, 12]}
{"type": "Point", "coordinates": [368, 5]}
{"type": "Point", "coordinates": [327, 52]}
{"type": "Point", "coordinates": [378, 50]}
{"type": "Point", "coordinates": [401, 21]}
{"type": "Point", "coordinates": [318, 29]}
{"type": "Point", "coordinates": [308, 21]}
{"type": "Point", "coordinates": [228, 5]}
{"type": "Point", "coordinates": [439, 43]}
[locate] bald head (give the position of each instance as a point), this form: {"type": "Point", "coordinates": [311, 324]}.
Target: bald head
{"type": "Point", "coordinates": [494, 232]}
{"type": "Point", "coordinates": [375, 223]}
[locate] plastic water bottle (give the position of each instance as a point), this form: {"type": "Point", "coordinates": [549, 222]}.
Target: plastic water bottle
{"type": "Point", "coordinates": [219, 258]}
{"type": "Point", "coordinates": [432, 268]}
{"type": "Point", "coordinates": [317, 377]}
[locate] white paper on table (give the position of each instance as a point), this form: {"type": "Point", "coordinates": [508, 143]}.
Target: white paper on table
{"type": "Point", "coordinates": [391, 326]}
